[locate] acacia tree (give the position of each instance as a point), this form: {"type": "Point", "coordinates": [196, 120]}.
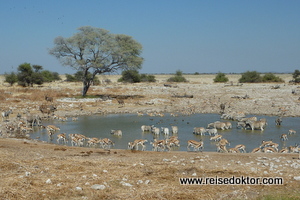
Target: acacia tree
{"type": "Point", "coordinates": [97, 51]}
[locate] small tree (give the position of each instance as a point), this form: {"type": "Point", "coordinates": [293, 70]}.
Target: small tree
{"type": "Point", "coordinates": [250, 77]}
{"type": "Point", "coordinates": [177, 78]}
{"type": "Point", "coordinates": [11, 78]}
{"type": "Point", "coordinates": [220, 78]}
{"type": "Point", "coordinates": [130, 76]}
{"type": "Point", "coordinates": [296, 76]}
{"type": "Point", "coordinates": [270, 77]}
{"type": "Point", "coordinates": [147, 78]}
{"type": "Point", "coordinates": [25, 75]}
{"type": "Point", "coordinates": [97, 51]}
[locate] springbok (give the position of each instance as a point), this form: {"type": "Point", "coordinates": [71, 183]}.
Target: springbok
{"type": "Point", "coordinates": [284, 137]}
{"type": "Point", "coordinates": [61, 137]}
{"type": "Point", "coordinates": [195, 144]}
{"type": "Point", "coordinates": [135, 144]}
{"type": "Point", "coordinates": [241, 147]}
{"type": "Point", "coordinates": [291, 131]}
{"type": "Point", "coordinates": [284, 150]}
{"type": "Point", "coordinates": [256, 150]}
{"type": "Point", "coordinates": [233, 150]}
{"type": "Point", "coordinates": [216, 138]}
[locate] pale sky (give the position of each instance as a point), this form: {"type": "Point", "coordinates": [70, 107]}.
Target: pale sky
{"type": "Point", "coordinates": [189, 35]}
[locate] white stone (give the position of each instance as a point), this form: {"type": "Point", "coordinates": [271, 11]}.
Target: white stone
{"type": "Point", "coordinates": [98, 187]}
{"type": "Point", "coordinates": [78, 188]}
{"type": "Point", "coordinates": [48, 181]}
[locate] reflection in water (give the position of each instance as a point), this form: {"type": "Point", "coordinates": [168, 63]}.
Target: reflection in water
{"type": "Point", "coordinates": [130, 124]}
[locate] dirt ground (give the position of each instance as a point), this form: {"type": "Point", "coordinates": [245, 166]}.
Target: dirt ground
{"type": "Point", "coordinates": [31, 169]}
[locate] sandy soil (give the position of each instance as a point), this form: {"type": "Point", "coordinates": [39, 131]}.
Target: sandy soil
{"type": "Point", "coordinates": [36, 170]}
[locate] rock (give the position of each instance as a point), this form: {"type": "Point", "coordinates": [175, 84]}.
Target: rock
{"type": "Point", "coordinates": [297, 178]}
{"type": "Point", "coordinates": [78, 188]}
{"type": "Point", "coordinates": [48, 181]}
{"type": "Point", "coordinates": [98, 187]}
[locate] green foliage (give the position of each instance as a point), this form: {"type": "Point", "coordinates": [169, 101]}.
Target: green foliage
{"type": "Point", "coordinates": [25, 75]}
{"type": "Point", "coordinates": [11, 78]}
{"type": "Point", "coordinates": [178, 77]}
{"type": "Point", "coordinates": [196, 73]}
{"type": "Point", "coordinates": [98, 51]}
{"type": "Point", "coordinates": [296, 76]}
{"type": "Point", "coordinates": [250, 77]}
{"type": "Point", "coordinates": [130, 76]}
{"type": "Point", "coordinates": [220, 78]}
{"type": "Point", "coordinates": [270, 77]}
{"type": "Point", "coordinates": [70, 78]}
{"type": "Point", "coordinates": [50, 76]}
{"type": "Point", "coordinates": [147, 78]}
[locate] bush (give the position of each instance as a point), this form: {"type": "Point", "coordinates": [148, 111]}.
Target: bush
{"type": "Point", "coordinates": [296, 77]}
{"type": "Point", "coordinates": [70, 78]}
{"type": "Point", "coordinates": [130, 76]}
{"type": "Point", "coordinates": [147, 78]}
{"type": "Point", "coordinates": [220, 78]}
{"type": "Point", "coordinates": [250, 77]}
{"type": "Point", "coordinates": [270, 77]}
{"type": "Point", "coordinates": [177, 78]}
{"type": "Point", "coordinates": [11, 78]}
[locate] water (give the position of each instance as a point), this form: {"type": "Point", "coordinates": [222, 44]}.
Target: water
{"type": "Point", "coordinates": [130, 124]}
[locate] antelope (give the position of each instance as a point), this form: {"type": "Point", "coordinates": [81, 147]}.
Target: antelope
{"type": "Point", "coordinates": [199, 130]}
{"type": "Point", "coordinates": [121, 102]}
{"type": "Point", "coordinates": [93, 142]}
{"type": "Point", "coordinates": [116, 132]}
{"type": "Point", "coordinates": [6, 114]}
{"type": "Point", "coordinates": [284, 150]}
{"type": "Point", "coordinates": [173, 141]}
{"type": "Point", "coordinates": [52, 128]}
{"type": "Point", "coordinates": [195, 144]}
{"type": "Point", "coordinates": [241, 147]}
{"type": "Point", "coordinates": [159, 144]}
{"type": "Point", "coordinates": [74, 118]}
{"type": "Point", "coordinates": [50, 133]}
{"type": "Point", "coordinates": [216, 138]}
{"type": "Point", "coordinates": [61, 137]}
{"type": "Point", "coordinates": [221, 147]}
{"type": "Point", "coordinates": [136, 143]}
{"type": "Point", "coordinates": [294, 149]}
{"type": "Point", "coordinates": [284, 137]}
{"type": "Point", "coordinates": [269, 150]}
{"type": "Point", "coordinates": [233, 150]}
{"type": "Point", "coordinates": [265, 143]}
{"type": "Point", "coordinates": [278, 121]}
{"type": "Point", "coordinates": [291, 131]}
{"type": "Point", "coordinates": [105, 142]}
{"type": "Point", "coordinates": [256, 150]}
{"type": "Point", "coordinates": [224, 142]}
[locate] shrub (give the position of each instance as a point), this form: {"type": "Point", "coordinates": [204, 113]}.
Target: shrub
{"type": "Point", "coordinates": [250, 77]}
{"type": "Point", "coordinates": [220, 78]}
{"type": "Point", "coordinates": [11, 78]}
{"type": "Point", "coordinates": [177, 78]}
{"type": "Point", "coordinates": [147, 78]}
{"type": "Point", "coordinates": [296, 77]}
{"type": "Point", "coordinates": [70, 78]}
{"type": "Point", "coordinates": [130, 76]}
{"type": "Point", "coordinates": [270, 77]}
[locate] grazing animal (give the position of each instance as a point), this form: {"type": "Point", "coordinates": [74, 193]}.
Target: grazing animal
{"type": "Point", "coordinates": [50, 99]}
{"type": "Point", "coordinates": [212, 131]}
{"type": "Point", "coordinates": [217, 125]}
{"type": "Point", "coordinates": [199, 130]}
{"type": "Point", "coordinates": [136, 143]}
{"type": "Point", "coordinates": [284, 137]}
{"type": "Point", "coordinates": [6, 114]}
{"type": "Point", "coordinates": [278, 121]}
{"type": "Point", "coordinates": [256, 124]}
{"type": "Point", "coordinates": [174, 129]}
{"type": "Point", "coordinates": [61, 137]}
{"type": "Point", "coordinates": [121, 102]}
{"type": "Point", "coordinates": [241, 147]}
{"type": "Point", "coordinates": [216, 138]}
{"type": "Point", "coordinates": [291, 131]}
{"type": "Point", "coordinates": [116, 132]}
{"type": "Point", "coordinates": [195, 144]}
{"type": "Point", "coordinates": [155, 130]}
{"type": "Point", "coordinates": [165, 130]}
{"type": "Point", "coordinates": [256, 150]}
{"type": "Point", "coordinates": [146, 128]}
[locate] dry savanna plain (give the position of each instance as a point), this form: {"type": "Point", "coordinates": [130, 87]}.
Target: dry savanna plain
{"type": "Point", "coordinates": [31, 169]}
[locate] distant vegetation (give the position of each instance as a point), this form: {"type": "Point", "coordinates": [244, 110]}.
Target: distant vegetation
{"type": "Point", "coordinates": [78, 77]}
{"type": "Point", "coordinates": [28, 75]}
{"type": "Point", "coordinates": [220, 78]}
{"type": "Point", "coordinates": [296, 77]}
{"type": "Point", "coordinates": [178, 77]}
{"type": "Point", "coordinates": [255, 77]}
{"type": "Point", "coordinates": [133, 76]}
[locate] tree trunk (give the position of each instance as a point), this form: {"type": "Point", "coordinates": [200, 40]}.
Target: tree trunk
{"type": "Point", "coordinates": [86, 86]}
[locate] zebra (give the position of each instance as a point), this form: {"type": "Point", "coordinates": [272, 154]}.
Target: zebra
{"type": "Point", "coordinates": [6, 114]}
